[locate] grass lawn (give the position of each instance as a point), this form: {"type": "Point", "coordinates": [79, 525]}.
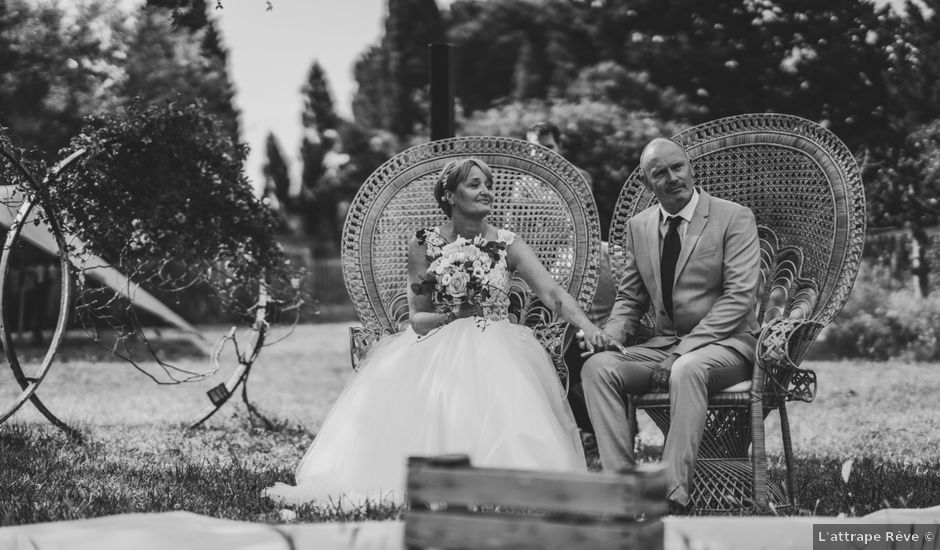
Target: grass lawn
{"type": "Point", "coordinates": [138, 456]}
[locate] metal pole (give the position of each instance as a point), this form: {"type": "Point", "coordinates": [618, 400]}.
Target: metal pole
{"type": "Point", "coordinates": [442, 91]}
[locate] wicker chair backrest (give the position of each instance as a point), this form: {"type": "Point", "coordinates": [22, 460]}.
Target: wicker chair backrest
{"type": "Point", "coordinates": [539, 196]}
{"type": "Point", "coordinates": [804, 188]}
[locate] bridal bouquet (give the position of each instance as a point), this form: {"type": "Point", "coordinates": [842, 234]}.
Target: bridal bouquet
{"type": "Point", "coordinates": [461, 273]}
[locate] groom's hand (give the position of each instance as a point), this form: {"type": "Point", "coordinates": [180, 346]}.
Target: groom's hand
{"type": "Point", "coordinates": [596, 340]}
{"type": "Point", "coordinates": [662, 372]}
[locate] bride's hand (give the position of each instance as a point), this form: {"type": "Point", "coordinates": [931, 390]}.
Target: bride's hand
{"type": "Point", "coordinates": [596, 340]}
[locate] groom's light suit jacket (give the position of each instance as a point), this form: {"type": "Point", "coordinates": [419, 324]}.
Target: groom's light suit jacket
{"type": "Point", "coordinates": [716, 281]}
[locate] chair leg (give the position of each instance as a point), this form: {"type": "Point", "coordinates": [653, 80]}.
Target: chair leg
{"type": "Point", "coordinates": [634, 425]}
{"type": "Point", "coordinates": [788, 453]}
{"type": "Point", "coordinates": [758, 455]}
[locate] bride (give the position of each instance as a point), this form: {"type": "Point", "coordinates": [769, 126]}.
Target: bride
{"type": "Point", "coordinates": [461, 379]}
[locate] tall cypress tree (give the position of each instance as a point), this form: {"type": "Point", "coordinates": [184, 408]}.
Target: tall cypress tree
{"type": "Point", "coordinates": [370, 102]}
{"type": "Point", "coordinates": [318, 116]}
{"type": "Point", "coordinates": [222, 100]}
{"type": "Point", "coordinates": [317, 202]}
{"type": "Point", "coordinates": [276, 172]}
{"type": "Point", "coordinates": [319, 113]}
{"type": "Point", "coordinates": [181, 58]}
{"type": "Point", "coordinates": [390, 76]}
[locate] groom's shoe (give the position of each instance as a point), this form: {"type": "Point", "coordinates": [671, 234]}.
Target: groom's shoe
{"type": "Point", "coordinates": [675, 508]}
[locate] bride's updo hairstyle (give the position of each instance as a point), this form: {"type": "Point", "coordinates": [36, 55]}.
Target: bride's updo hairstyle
{"type": "Point", "coordinates": [455, 172]}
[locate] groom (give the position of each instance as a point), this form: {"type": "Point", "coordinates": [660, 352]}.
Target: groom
{"type": "Point", "coordinates": [696, 258]}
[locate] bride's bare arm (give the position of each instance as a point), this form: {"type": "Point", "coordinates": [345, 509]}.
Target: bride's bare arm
{"type": "Point", "coordinates": [523, 260]}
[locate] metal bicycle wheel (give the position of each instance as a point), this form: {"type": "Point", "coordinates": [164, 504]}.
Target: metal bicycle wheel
{"type": "Point", "coordinates": [29, 378]}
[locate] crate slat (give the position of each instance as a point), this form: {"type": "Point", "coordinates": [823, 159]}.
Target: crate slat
{"type": "Point", "coordinates": [625, 495]}
{"type": "Point", "coordinates": [480, 532]}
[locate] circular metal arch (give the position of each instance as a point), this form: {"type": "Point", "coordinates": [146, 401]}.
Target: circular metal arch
{"type": "Point", "coordinates": [29, 384]}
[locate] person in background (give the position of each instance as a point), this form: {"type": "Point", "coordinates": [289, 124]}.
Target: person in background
{"type": "Point", "coordinates": [548, 135]}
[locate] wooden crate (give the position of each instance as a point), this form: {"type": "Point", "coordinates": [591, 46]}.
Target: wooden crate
{"type": "Point", "coordinates": [454, 505]}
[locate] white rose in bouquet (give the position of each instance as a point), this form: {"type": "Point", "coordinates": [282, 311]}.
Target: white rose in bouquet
{"type": "Point", "coordinates": [457, 286]}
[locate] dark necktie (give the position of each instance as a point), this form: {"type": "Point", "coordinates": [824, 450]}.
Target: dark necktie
{"type": "Point", "coordinates": [667, 264]}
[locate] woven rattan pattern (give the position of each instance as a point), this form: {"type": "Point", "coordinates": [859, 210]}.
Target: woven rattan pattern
{"type": "Point", "coordinates": [724, 488]}
{"type": "Point", "coordinates": [731, 431]}
{"type": "Point", "coordinates": [538, 195]}
{"type": "Point", "coordinates": [721, 481]}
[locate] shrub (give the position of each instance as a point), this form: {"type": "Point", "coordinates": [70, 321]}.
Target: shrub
{"type": "Point", "coordinates": [883, 320]}
{"type": "Point", "coordinates": [161, 193]}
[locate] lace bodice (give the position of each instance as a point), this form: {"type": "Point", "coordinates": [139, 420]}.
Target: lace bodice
{"type": "Point", "coordinates": [496, 306]}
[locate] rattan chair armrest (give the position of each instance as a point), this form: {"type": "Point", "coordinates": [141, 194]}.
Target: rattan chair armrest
{"type": "Point", "coordinates": [552, 337]}
{"type": "Point", "coordinates": [780, 349]}
{"type": "Point", "coordinates": [361, 340]}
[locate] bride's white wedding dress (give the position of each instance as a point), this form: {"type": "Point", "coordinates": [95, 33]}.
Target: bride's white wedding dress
{"type": "Point", "coordinates": [483, 387]}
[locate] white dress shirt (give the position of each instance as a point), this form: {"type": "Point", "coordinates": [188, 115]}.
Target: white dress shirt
{"type": "Point", "coordinates": [686, 214]}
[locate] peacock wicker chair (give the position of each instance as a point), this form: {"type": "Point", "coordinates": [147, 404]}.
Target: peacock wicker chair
{"type": "Point", "coordinates": [803, 186]}
{"type": "Point", "coordinates": [539, 196]}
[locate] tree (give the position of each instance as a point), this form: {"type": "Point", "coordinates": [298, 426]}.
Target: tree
{"type": "Point", "coordinates": [318, 113]}
{"type": "Point", "coordinates": [821, 61]}
{"type": "Point", "coordinates": [170, 61]}
{"type": "Point", "coordinates": [393, 76]}
{"type": "Point", "coordinates": [188, 14]}
{"type": "Point", "coordinates": [192, 17]}
{"type": "Point", "coordinates": [370, 102]}
{"type": "Point", "coordinates": [367, 150]}
{"type": "Point", "coordinates": [914, 57]}
{"type": "Point", "coordinates": [610, 82]}
{"type": "Point", "coordinates": [161, 194]}
{"type": "Point", "coordinates": [56, 69]}
{"type": "Point", "coordinates": [221, 99]}
{"type": "Point", "coordinates": [505, 49]}
{"type": "Point", "coordinates": [276, 174]}
{"type": "Point", "coordinates": [317, 201]}
{"type": "Point", "coordinates": [902, 171]}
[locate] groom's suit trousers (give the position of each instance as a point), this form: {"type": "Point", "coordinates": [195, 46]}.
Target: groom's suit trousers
{"type": "Point", "coordinates": [614, 376]}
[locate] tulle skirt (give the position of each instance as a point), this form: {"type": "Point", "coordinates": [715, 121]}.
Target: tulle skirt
{"type": "Point", "coordinates": [484, 389]}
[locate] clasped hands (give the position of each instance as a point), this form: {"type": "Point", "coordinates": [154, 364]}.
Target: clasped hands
{"type": "Point", "coordinates": [598, 340]}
